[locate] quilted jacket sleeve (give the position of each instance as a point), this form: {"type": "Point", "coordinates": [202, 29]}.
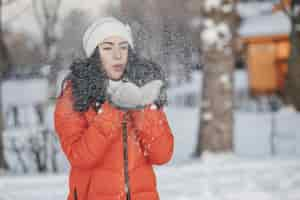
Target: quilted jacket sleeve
{"type": "Point", "coordinates": [83, 144]}
{"type": "Point", "coordinates": [154, 134]}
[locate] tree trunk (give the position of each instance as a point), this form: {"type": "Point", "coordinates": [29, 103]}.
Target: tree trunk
{"type": "Point", "coordinates": [4, 66]}
{"type": "Point", "coordinates": [217, 36]}
{"type": "Point", "coordinates": [4, 55]}
{"type": "Point", "coordinates": [216, 118]}
{"type": "Point", "coordinates": [3, 163]}
{"type": "Point", "coordinates": [47, 16]}
{"type": "Point", "coordinates": [292, 83]}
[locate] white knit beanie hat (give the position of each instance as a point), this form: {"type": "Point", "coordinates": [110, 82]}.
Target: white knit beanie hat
{"type": "Point", "coordinates": [103, 28]}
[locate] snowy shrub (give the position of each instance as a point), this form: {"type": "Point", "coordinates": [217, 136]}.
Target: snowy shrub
{"type": "Point", "coordinates": [31, 150]}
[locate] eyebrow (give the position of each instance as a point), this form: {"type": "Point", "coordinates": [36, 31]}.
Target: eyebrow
{"type": "Point", "coordinates": [111, 43]}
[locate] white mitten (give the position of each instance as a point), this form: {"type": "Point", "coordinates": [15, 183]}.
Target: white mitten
{"type": "Point", "coordinates": [150, 92]}
{"type": "Point", "coordinates": [127, 95]}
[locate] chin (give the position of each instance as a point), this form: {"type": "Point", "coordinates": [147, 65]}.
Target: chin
{"type": "Point", "coordinates": [116, 77]}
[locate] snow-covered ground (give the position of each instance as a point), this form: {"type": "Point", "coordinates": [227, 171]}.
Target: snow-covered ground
{"type": "Point", "coordinates": [228, 177]}
{"type": "Point", "coordinates": [242, 175]}
{"type": "Point", "coordinates": [215, 177]}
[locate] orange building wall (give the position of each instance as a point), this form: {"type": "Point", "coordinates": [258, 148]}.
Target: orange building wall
{"type": "Point", "coordinates": [267, 63]}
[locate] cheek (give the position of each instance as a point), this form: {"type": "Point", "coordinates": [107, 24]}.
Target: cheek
{"type": "Point", "coordinates": [106, 61]}
{"type": "Point", "coordinates": [108, 69]}
{"type": "Point", "coordinates": [125, 57]}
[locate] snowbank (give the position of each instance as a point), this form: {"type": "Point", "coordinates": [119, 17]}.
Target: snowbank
{"type": "Point", "coordinates": [215, 177]}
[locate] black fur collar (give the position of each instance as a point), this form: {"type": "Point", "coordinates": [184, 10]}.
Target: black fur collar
{"type": "Point", "coordinates": [90, 82]}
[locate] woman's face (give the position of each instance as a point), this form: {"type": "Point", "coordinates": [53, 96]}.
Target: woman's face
{"type": "Point", "coordinates": [114, 56]}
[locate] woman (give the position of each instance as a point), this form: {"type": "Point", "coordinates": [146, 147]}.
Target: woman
{"type": "Point", "coordinates": [109, 118]}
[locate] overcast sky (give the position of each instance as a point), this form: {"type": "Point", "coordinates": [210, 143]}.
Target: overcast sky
{"type": "Point", "coordinates": [26, 22]}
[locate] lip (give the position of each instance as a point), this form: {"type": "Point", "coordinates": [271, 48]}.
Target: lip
{"type": "Point", "coordinates": [118, 67]}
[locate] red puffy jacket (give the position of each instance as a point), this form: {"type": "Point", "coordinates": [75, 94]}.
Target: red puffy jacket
{"type": "Point", "coordinates": [93, 143]}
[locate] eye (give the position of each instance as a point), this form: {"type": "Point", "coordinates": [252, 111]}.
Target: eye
{"type": "Point", "coordinates": [124, 47]}
{"type": "Point", "coordinates": [107, 48]}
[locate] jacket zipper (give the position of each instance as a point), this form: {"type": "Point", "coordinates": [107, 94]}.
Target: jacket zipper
{"type": "Point", "coordinates": [125, 153]}
{"type": "Point", "coordinates": [75, 194]}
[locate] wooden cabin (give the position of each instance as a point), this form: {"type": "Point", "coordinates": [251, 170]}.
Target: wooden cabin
{"type": "Point", "coordinates": [266, 58]}
{"type": "Point", "coordinates": [283, 4]}
{"type": "Point", "coordinates": [267, 48]}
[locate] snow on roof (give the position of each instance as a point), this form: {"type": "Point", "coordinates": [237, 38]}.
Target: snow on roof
{"type": "Point", "coordinates": [273, 24]}
{"type": "Point", "coordinates": [24, 92]}
{"type": "Point", "coordinates": [257, 19]}
{"type": "Point", "coordinates": [250, 9]}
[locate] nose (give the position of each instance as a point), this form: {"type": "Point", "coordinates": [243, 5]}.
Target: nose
{"type": "Point", "coordinates": [117, 53]}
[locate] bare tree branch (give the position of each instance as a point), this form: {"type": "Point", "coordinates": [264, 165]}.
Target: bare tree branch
{"type": "Point", "coordinates": [4, 67]}
{"type": "Point", "coordinates": [57, 6]}
{"type": "Point", "coordinates": [7, 2]}
{"type": "Point", "coordinates": [36, 13]}
{"type": "Point", "coordinates": [46, 14]}
{"type": "Point", "coordinates": [19, 13]}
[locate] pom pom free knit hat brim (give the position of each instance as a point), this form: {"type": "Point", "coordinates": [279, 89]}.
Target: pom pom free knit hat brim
{"type": "Point", "coordinates": [102, 28]}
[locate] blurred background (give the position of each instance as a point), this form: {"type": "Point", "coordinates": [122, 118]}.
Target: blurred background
{"type": "Point", "coordinates": [233, 88]}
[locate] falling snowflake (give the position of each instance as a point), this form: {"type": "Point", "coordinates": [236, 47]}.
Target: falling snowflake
{"type": "Point", "coordinates": [227, 8]}
{"type": "Point", "coordinates": [45, 70]}
{"type": "Point", "coordinates": [212, 4]}
{"type": "Point", "coordinates": [215, 34]}
{"type": "Point", "coordinates": [207, 116]}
